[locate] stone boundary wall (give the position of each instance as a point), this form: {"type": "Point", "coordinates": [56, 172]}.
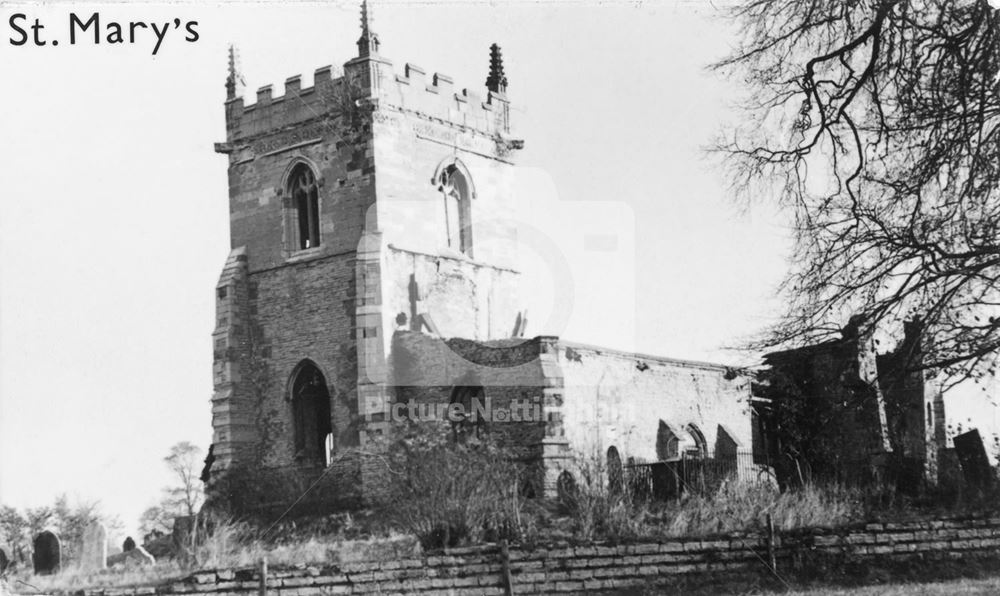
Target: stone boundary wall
{"type": "Point", "coordinates": [597, 567]}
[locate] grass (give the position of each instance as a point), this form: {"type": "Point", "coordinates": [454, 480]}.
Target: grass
{"type": "Point", "coordinates": [736, 508]}
{"type": "Point", "coordinates": [234, 544]}
{"type": "Point", "coordinates": [960, 587]}
{"type": "Point", "coordinates": [230, 545]}
{"type": "Point", "coordinates": [456, 495]}
{"type": "Point", "coordinates": [25, 582]}
{"type": "Point", "coordinates": [734, 587]}
{"type": "Point", "coordinates": [596, 512]}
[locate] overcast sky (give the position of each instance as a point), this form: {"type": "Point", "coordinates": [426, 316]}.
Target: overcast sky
{"type": "Point", "coordinates": [113, 221]}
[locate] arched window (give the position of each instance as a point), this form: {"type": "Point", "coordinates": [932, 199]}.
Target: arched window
{"type": "Point", "coordinates": [667, 442]}
{"type": "Point", "coordinates": [700, 449]}
{"type": "Point", "coordinates": [311, 415]}
{"type": "Point", "coordinates": [303, 190]}
{"type": "Point", "coordinates": [456, 191]}
{"type": "Point", "coordinates": [466, 412]}
{"type": "Point", "coordinates": [616, 472]}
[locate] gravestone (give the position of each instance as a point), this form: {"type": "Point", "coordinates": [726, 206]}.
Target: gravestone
{"type": "Point", "coordinates": [46, 553]}
{"type": "Point", "coordinates": [138, 557]}
{"type": "Point", "coordinates": [94, 554]}
{"type": "Point", "coordinates": [4, 561]}
{"type": "Point", "coordinates": [567, 490]}
{"type": "Point", "coordinates": [128, 545]}
{"type": "Point", "coordinates": [972, 457]}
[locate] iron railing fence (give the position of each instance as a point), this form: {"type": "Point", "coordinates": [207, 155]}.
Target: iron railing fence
{"type": "Point", "coordinates": [691, 474]}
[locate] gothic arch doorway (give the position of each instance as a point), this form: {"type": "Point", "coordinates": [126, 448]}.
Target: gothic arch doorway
{"type": "Point", "coordinates": [310, 399]}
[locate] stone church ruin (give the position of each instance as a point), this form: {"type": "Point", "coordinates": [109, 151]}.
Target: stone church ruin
{"type": "Point", "coordinates": [374, 266]}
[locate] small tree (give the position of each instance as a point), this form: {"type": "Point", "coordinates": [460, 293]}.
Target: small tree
{"type": "Point", "coordinates": [154, 521]}
{"type": "Point", "coordinates": [184, 461]}
{"type": "Point", "coordinates": [185, 495]}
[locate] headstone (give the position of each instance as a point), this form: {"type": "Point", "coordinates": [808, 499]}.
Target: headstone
{"type": "Point", "coordinates": [94, 554]}
{"type": "Point", "coordinates": [566, 489]}
{"type": "Point", "coordinates": [139, 557]}
{"type": "Point", "coordinates": [4, 561]}
{"type": "Point", "coordinates": [46, 553]}
{"type": "Point", "coordinates": [128, 545]}
{"type": "Point", "coordinates": [972, 457]}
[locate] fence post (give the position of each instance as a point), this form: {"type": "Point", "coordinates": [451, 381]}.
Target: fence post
{"type": "Point", "coordinates": [508, 580]}
{"type": "Point", "coordinates": [262, 591]}
{"type": "Point", "coordinates": [770, 544]}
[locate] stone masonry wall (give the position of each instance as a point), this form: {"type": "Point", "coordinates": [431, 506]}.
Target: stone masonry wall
{"type": "Point", "coordinates": [409, 149]}
{"type": "Point", "coordinates": [618, 399]}
{"type": "Point", "coordinates": [339, 151]}
{"type": "Point", "coordinates": [425, 370]}
{"type": "Point", "coordinates": [306, 311]}
{"type": "Point", "coordinates": [598, 567]}
{"type": "Point", "coordinates": [464, 298]}
{"type": "Point", "coordinates": [287, 304]}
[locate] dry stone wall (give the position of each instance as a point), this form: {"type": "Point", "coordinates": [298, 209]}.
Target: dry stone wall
{"type": "Point", "coordinates": [597, 567]}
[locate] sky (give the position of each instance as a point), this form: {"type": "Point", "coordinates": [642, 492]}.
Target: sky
{"type": "Point", "coordinates": [114, 214]}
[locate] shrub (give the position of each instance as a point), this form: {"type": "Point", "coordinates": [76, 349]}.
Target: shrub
{"type": "Point", "coordinates": [449, 493]}
{"type": "Point", "coordinates": [599, 510]}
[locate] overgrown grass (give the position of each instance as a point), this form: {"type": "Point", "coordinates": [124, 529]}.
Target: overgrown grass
{"type": "Point", "coordinates": [238, 544]}
{"type": "Point", "coordinates": [736, 508]}
{"type": "Point", "coordinates": [225, 544]}
{"type": "Point", "coordinates": [444, 494]}
{"type": "Point", "coordinates": [599, 510]}
{"type": "Point", "coordinates": [450, 493]}
{"type": "Point", "coordinates": [74, 578]}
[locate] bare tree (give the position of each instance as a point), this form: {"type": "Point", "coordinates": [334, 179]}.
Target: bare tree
{"type": "Point", "coordinates": [155, 521]}
{"type": "Point", "coordinates": [184, 461]}
{"type": "Point", "coordinates": [876, 123]}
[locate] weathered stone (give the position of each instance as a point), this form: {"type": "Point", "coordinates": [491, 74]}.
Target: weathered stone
{"type": "Point", "coordinates": [139, 557]}
{"type": "Point", "coordinates": [47, 553]}
{"type": "Point", "coordinates": [128, 544]}
{"type": "Point", "coordinates": [344, 259]}
{"type": "Point", "coordinates": [94, 554]}
{"type": "Point", "coordinates": [973, 459]}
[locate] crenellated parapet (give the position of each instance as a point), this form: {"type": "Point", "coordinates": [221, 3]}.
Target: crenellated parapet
{"type": "Point", "coordinates": [270, 113]}
{"type": "Point", "coordinates": [436, 97]}
{"type": "Point", "coordinates": [373, 81]}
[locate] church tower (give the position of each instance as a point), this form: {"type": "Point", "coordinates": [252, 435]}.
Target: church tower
{"type": "Point", "coordinates": [374, 201]}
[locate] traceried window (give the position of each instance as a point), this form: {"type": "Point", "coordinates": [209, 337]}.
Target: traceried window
{"type": "Point", "coordinates": [456, 192]}
{"type": "Point", "coordinates": [304, 192]}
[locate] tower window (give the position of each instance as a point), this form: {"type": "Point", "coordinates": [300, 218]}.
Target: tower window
{"type": "Point", "coordinates": [455, 190]}
{"type": "Point", "coordinates": [304, 192]}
